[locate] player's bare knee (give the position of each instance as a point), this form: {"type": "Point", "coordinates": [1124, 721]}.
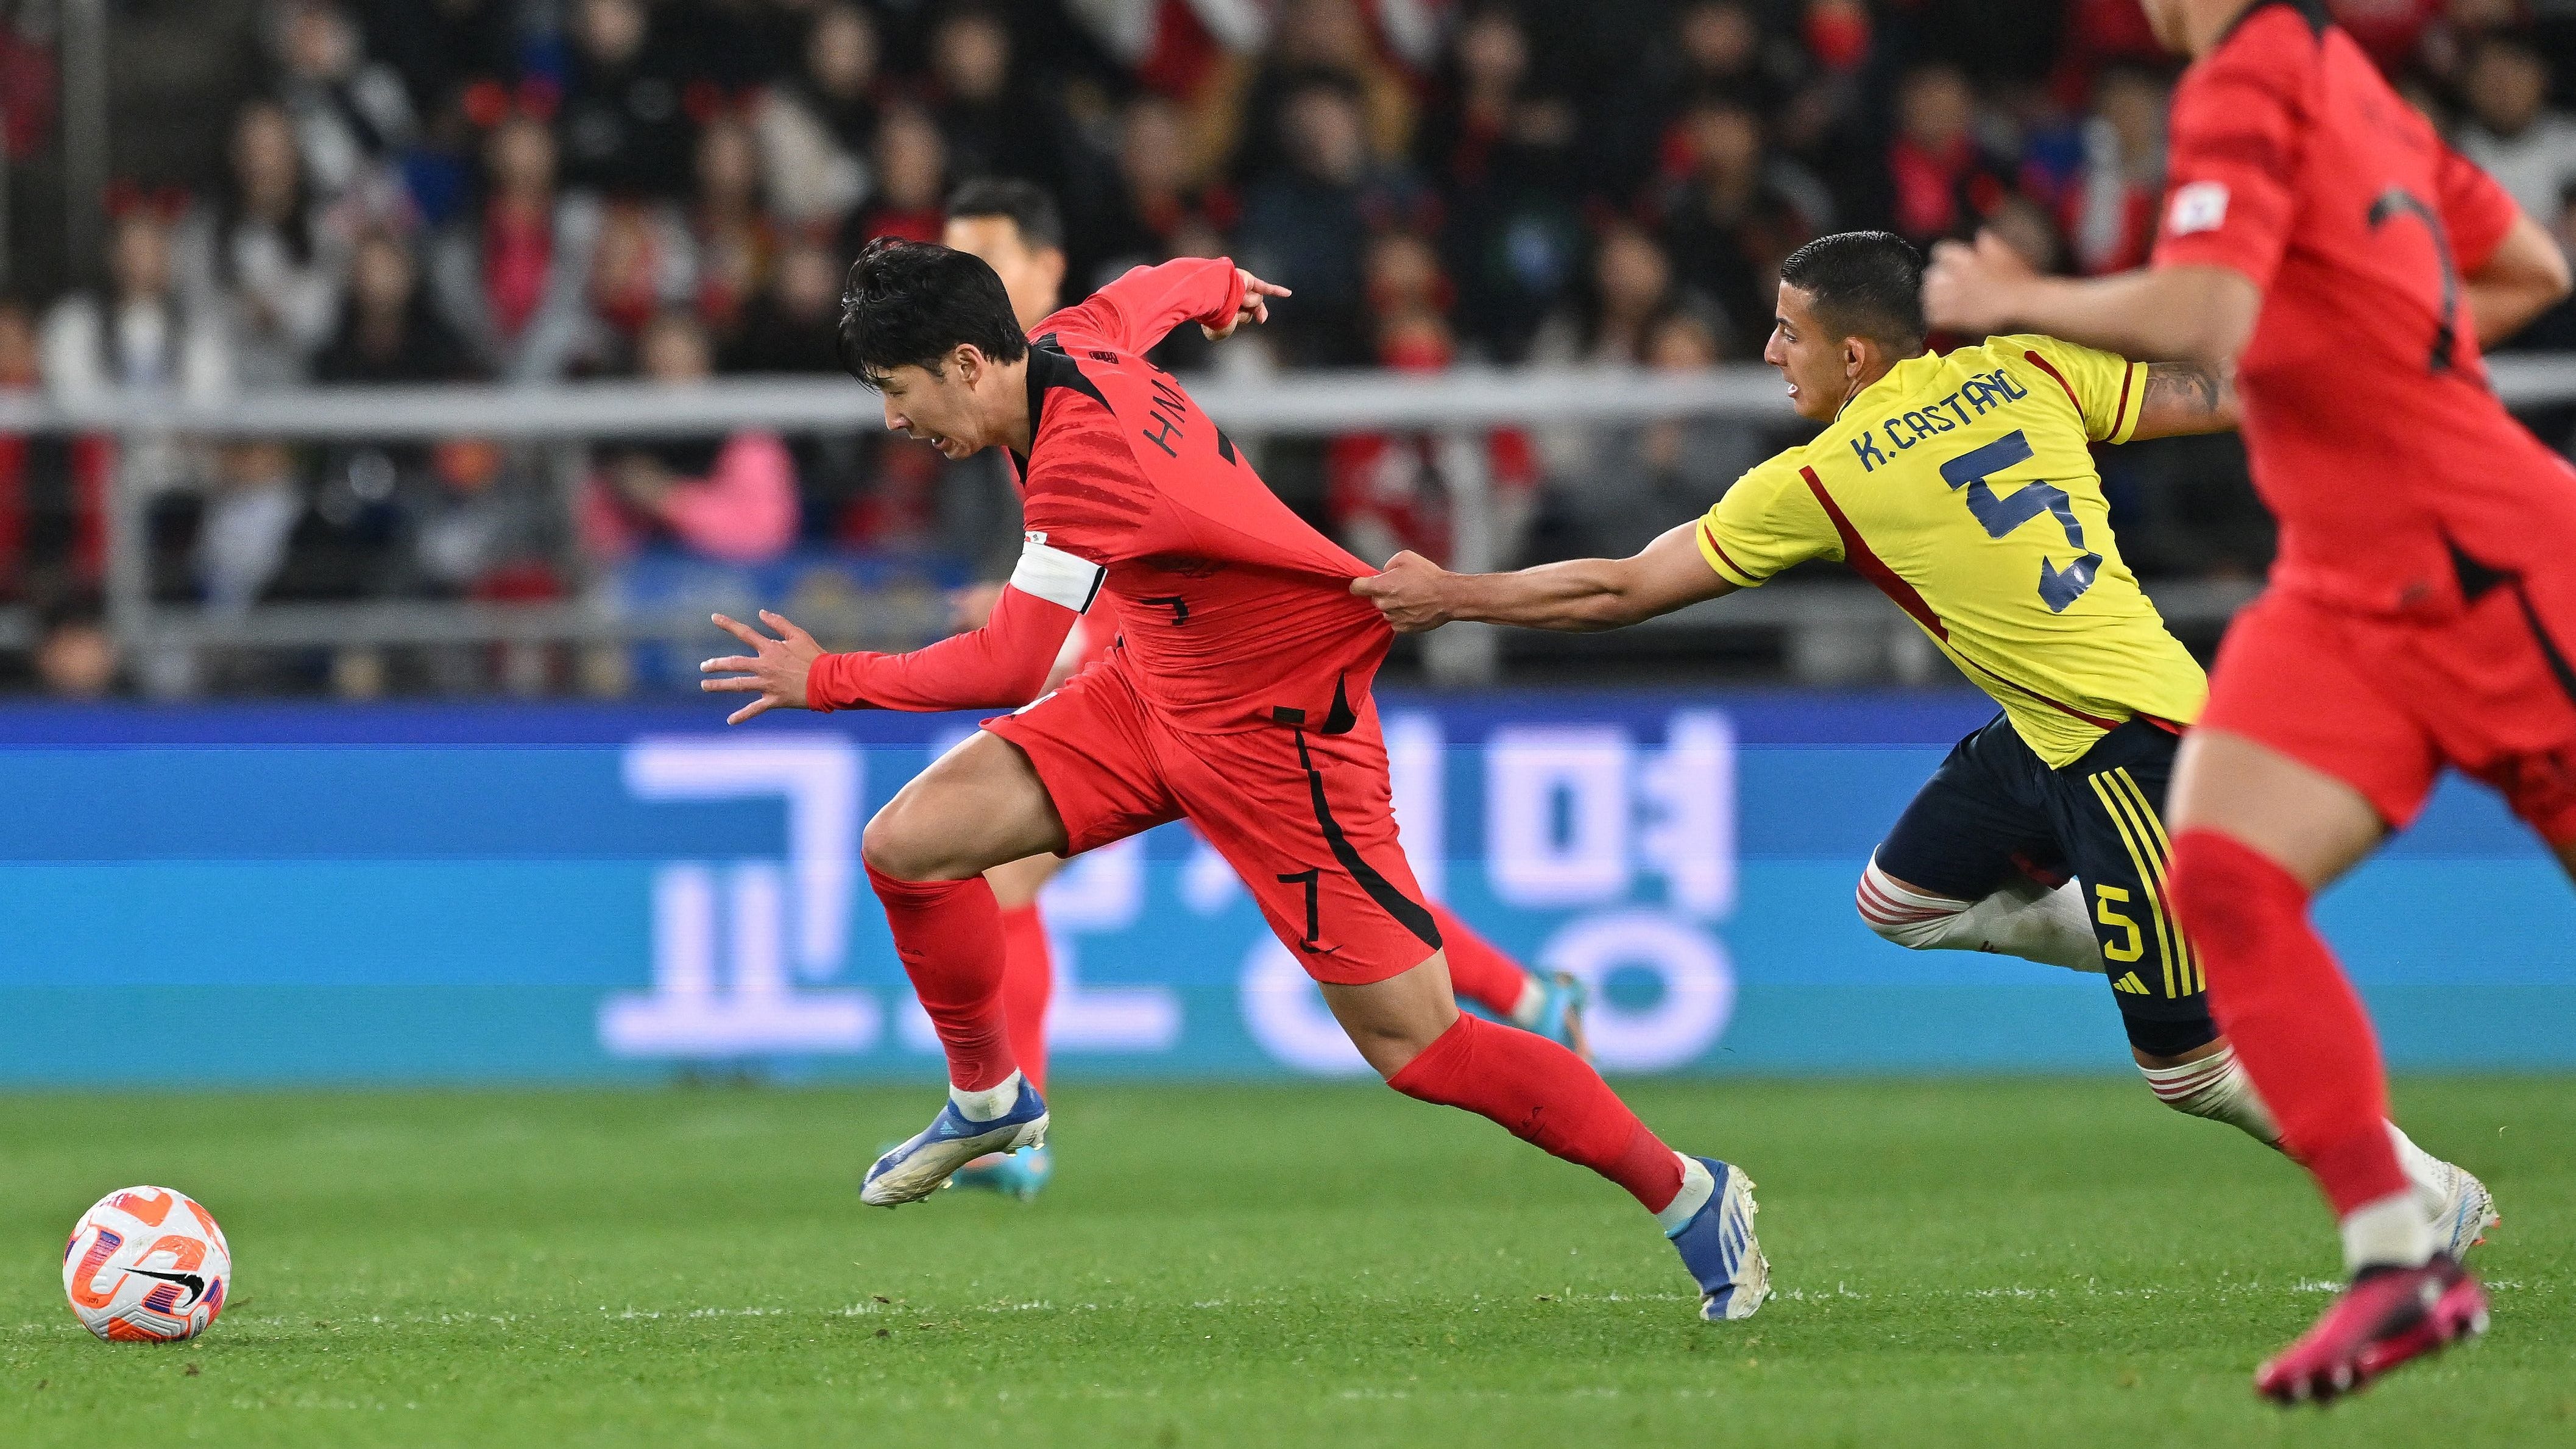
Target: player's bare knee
{"type": "Point", "coordinates": [1390, 1047]}
{"type": "Point", "coordinates": [898, 843]}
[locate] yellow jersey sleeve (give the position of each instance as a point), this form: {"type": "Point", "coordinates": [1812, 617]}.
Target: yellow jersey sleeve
{"type": "Point", "coordinates": [2109, 389]}
{"type": "Point", "coordinates": [1767, 522]}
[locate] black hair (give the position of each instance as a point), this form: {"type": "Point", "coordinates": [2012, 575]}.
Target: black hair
{"type": "Point", "coordinates": [1865, 284]}
{"type": "Point", "coordinates": [1025, 203]}
{"type": "Point", "coordinates": [910, 303]}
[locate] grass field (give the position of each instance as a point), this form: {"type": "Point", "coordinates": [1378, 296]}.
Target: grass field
{"type": "Point", "coordinates": [1988, 1263]}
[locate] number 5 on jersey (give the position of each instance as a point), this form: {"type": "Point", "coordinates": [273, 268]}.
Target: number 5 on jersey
{"type": "Point", "coordinates": [2001, 515]}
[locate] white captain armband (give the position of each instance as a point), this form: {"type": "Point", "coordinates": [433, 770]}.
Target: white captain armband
{"type": "Point", "coordinates": [1056, 576]}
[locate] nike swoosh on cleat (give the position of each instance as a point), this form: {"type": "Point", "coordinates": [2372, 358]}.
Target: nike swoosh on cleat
{"type": "Point", "coordinates": [195, 1284]}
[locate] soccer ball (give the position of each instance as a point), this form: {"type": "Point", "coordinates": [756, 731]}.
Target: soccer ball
{"type": "Point", "coordinates": [147, 1265]}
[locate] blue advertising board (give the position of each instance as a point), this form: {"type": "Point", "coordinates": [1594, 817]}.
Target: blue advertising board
{"type": "Point", "coordinates": [558, 892]}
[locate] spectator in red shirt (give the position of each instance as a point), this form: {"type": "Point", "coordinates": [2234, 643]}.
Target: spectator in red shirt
{"type": "Point", "coordinates": [2111, 210]}
{"type": "Point", "coordinates": [731, 239]}
{"type": "Point", "coordinates": [1941, 180]}
{"type": "Point", "coordinates": [513, 277]}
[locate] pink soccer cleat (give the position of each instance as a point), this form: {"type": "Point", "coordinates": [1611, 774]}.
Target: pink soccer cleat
{"type": "Point", "coordinates": [2388, 1315]}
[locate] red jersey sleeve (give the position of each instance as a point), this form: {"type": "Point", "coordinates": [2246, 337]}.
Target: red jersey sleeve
{"type": "Point", "coordinates": [1139, 309]}
{"type": "Point", "coordinates": [2234, 159]}
{"type": "Point", "coordinates": [2476, 210]}
{"type": "Point", "coordinates": [1002, 665]}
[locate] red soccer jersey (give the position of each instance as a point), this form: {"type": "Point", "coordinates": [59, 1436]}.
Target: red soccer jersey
{"type": "Point", "coordinates": [1230, 610]}
{"type": "Point", "coordinates": [2374, 435]}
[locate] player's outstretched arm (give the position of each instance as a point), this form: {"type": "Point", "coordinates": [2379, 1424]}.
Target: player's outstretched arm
{"type": "Point", "coordinates": [2186, 397]}
{"type": "Point", "coordinates": [2525, 276]}
{"type": "Point", "coordinates": [2194, 313]}
{"type": "Point", "coordinates": [1141, 307]}
{"type": "Point", "coordinates": [1001, 665]}
{"type": "Point", "coordinates": [1580, 595]}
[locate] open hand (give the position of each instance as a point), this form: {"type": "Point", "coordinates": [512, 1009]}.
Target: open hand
{"type": "Point", "coordinates": [1412, 592]}
{"type": "Point", "coordinates": [775, 669]}
{"type": "Point", "coordinates": [1974, 290]}
{"type": "Point", "coordinates": [1256, 305]}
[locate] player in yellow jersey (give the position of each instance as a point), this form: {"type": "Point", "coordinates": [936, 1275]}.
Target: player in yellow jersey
{"type": "Point", "coordinates": [1962, 485]}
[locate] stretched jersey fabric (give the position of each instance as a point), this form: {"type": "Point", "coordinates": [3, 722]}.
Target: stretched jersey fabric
{"type": "Point", "coordinates": [2374, 435]}
{"type": "Point", "coordinates": [1962, 486]}
{"type": "Point", "coordinates": [1231, 612]}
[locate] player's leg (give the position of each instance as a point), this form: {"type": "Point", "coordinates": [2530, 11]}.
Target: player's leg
{"type": "Point", "coordinates": [1410, 1030]}
{"type": "Point", "coordinates": [2111, 815]}
{"type": "Point", "coordinates": [925, 853]}
{"type": "Point", "coordinates": [1955, 871]}
{"type": "Point", "coordinates": [1028, 983]}
{"type": "Point", "coordinates": [1481, 973]}
{"type": "Point", "coordinates": [1028, 973]}
{"type": "Point", "coordinates": [1062, 775]}
{"type": "Point", "coordinates": [2310, 748]}
{"type": "Point", "coordinates": [2260, 833]}
{"type": "Point", "coordinates": [1308, 822]}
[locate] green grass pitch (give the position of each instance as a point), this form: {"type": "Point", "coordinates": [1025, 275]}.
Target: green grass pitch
{"type": "Point", "coordinates": [1986, 1263]}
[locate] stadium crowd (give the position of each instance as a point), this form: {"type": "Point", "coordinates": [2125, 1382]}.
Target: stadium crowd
{"type": "Point", "coordinates": [522, 191]}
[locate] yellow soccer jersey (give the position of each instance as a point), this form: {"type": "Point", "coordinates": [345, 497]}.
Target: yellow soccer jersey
{"type": "Point", "coordinates": [1962, 487]}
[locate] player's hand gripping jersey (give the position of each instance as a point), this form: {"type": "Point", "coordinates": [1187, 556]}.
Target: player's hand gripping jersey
{"type": "Point", "coordinates": [1231, 612]}
{"type": "Point", "coordinates": [1963, 487]}
{"type": "Point", "coordinates": [2375, 437]}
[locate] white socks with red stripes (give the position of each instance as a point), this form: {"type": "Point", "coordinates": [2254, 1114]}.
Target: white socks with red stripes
{"type": "Point", "coordinates": [2024, 919]}
{"type": "Point", "coordinates": [2217, 1088]}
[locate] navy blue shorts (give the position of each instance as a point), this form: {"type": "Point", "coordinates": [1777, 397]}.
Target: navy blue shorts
{"type": "Point", "coordinates": [1994, 809]}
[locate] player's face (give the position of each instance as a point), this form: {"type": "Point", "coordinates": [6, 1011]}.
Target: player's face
{"type": "Point", "coordinates": [1032, 275]}
{"type": "Point", "coordinates": [1812, 363]}
{"type": "Point", "coordinates": [940, 410]}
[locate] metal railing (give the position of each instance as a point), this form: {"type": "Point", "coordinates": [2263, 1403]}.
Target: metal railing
{"type": "Point", "coordinates": [1464, 403]}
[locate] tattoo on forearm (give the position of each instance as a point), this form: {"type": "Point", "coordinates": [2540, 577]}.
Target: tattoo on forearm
{"type": "Point", "coordinates": [2183, 385]}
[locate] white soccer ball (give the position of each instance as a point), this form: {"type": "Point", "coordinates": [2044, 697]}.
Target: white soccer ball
{"type": "Point", "coordinates": [147, 1265]}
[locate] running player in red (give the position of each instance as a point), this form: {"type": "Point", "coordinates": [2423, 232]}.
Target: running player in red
{"type": "Point", "coordinates": [2320, 236]}
{"type": "Point", "coordinates": [1016, 228]}
{"type": "Point", "coordinates": [1237, 697]}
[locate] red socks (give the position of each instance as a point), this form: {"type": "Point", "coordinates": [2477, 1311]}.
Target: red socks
{"type": "Point", "coordinates": [1544, 1095]}
{"type": "Point", "coordinates": [1028, 979]}
{"type": "Point", "coordinates": [1478, 969]}
{"type": "Point", "coordinates": [2300, 1031]}
{"type": "Point", "coordinates": [949, 934]}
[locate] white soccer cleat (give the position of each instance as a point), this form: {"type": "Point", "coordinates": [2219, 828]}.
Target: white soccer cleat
{"type": "Point", "coordinates": [2467, 1211]}
{"type": "Point", "coordinates": [1717, 1243]}
{"type": "Point", "coordinates": [922, 1166]}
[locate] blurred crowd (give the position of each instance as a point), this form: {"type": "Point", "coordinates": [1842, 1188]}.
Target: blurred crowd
{"type": "Point", "coordinates": [525, 191]}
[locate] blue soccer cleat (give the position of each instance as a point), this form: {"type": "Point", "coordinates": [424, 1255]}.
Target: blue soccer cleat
{"type": "Point", "coordinates": [1717, 1243]}
{"type": "Point", "coordinates": [1560, 1011]}
{"type": "Point", "coordinates": [923, 1165]}
{"type": "Point", "coordinates": [1013, 1174]}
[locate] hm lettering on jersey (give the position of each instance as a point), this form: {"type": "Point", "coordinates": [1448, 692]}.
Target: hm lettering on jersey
{"type": "Point", "coordinates": [1160, 430]}
{"type": "Point", "coordinates": [1982, 393]}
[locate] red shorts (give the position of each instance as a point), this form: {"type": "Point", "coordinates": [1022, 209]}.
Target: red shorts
{"type": "Point", "coordinates": [2382, 703]}
{"type": "Point", "coordinates": [1305, 818]}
